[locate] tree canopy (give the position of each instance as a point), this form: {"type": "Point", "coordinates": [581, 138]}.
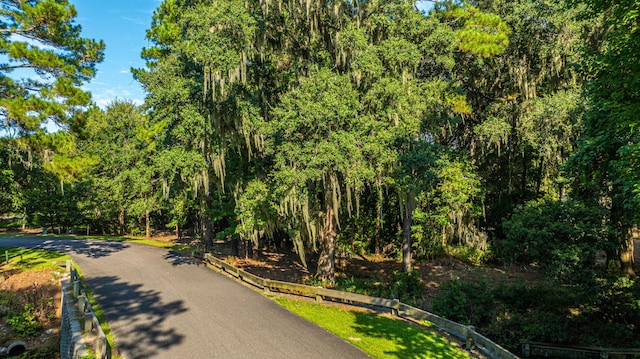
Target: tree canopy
{"type": "Point", "coordinates": [501, 132]}
{"type": "Point", "coordinates": [43, 62]}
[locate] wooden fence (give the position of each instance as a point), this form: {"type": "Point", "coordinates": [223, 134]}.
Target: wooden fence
{"type": "Point", "coordinates": [466, 333]}
{"type": "Point", "coordinates": [545, 350]}
{"type": "Point", "coordinates": [91, 326]}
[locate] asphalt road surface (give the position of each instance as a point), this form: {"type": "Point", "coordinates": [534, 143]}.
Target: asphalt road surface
{"type": "Point", "coordinates": [161, 305]}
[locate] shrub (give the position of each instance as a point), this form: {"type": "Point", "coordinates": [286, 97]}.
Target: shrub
{"type": "Point", "coordinates": [25, 324]}
{"type": "Point", "coordinates": [408, 287]}
{"type": "Point", "coordinates": [466, 303]}
{"type": "Point", "coordinates": [561, 237]}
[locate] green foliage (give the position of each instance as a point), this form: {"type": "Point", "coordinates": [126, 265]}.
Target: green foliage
{"type": "Point", "coordinates": [372, 287]}
{"type": "Point", "coordinates": [466, 303]}
{"type": "Point", "coordinates": [408, 287]}
{"type": "Point", "coordinates": [42, 37]}
{"type": "Point", "coordinates": [256, 212]}
{"type": "Point", "coordinates": [25, 324]}
{"type": "Point", "coordinates": [560, 236]}
{"type": "Point", "coordinates": [545, 312]}
{"type": "Point", "coordinates": [447, 210]}
{"type": "Point", "coordinates": [483, 33]}
{"type": "Point", "coordinates": [606, 161]}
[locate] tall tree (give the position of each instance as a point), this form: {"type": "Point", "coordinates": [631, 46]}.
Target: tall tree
{"type": "Point", "coordinates": [315, 143]}
{"type": "Point", "coordinates": [523, 104]}
{"type": "Point", "coordinates": [607, 160]}
{"type": "Point", "coordinates": [243, 99]}
{"type": "Point", "coordinates": [122, 175]}
{"type": "Point", "coordinates": [45, 61]}
{"type": "Point", "coordinates": [198, 51]}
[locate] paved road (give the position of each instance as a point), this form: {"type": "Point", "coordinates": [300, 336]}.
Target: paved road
{"type": "Point", "coordinates": [161, 305]}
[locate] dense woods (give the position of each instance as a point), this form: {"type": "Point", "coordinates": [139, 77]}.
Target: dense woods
{"type": "Point", "coordinates": [502, 132]}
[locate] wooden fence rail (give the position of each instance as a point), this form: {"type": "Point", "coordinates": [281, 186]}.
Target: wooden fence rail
{"type": "Point", "coordinates": [463, 332]}
{"type": "Point", "coordinates": [86, 314]}
{"type": "Point", "coordinates": [545, 350]}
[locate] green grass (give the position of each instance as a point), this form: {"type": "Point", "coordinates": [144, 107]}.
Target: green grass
{"type": "Point", "coordinates": [379, 336]}
{"type": "Point", "coordinates": [31, 259]}
{"type": "Point", "coordinates": [104, 324]}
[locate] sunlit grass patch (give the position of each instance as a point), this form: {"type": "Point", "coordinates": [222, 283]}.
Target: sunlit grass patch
{"type": "Point", "coordinates": [31, 259]}
{"type": "Point", "coordinates": [378, 336]}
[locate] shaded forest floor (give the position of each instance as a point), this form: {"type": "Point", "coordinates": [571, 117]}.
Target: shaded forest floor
{"type": "Point", "coordinates": [285, 265]}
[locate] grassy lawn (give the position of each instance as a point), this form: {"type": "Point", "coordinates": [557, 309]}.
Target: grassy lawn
{"type": "Point", "coordinates": [32, 259]}
{"type": "Point", "coordinates": [378, 336]}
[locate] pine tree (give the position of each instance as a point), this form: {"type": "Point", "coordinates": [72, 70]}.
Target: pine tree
{"type": "Point", "coordinates": [44, 62]}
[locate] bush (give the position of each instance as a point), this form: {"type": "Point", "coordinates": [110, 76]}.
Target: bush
{"type": "Point", "coordinates": [408, 287]}
{"type": "Point", "coordinates": [465, 303]}
{"type": "Point", "coordinates": [561, 237]}
{"type": "Point", "coordinates": [371, 287]}
{"type": "Point", "coordinates": [25, 324]}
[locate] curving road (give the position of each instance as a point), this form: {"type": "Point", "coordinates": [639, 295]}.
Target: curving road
{"type": "Point", "coordinates": [161, 305]}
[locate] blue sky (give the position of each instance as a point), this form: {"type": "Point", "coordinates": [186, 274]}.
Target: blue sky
{"type": "Point", "coordinates": [122, 25]}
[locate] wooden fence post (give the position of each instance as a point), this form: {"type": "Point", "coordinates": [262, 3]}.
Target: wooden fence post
{"type": "Point", "coordinates": [88, 322]}
{"type": "Point", "coordinates": [470, 343]}
{"type": "Point", "coordinates": [76, 288]}
{"type": "Point", "coordinates": [81, 303]}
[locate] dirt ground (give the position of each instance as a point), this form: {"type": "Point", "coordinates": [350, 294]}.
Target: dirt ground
{"type": "Point", "coordinates": [284, 265]}
{"type": "Point", "coordinates": [39, 287]}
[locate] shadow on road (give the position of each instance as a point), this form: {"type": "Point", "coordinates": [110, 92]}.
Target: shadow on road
{"type": "Point", "coordinates": [176, 259]}
{"type": "Point", "coordinates": [149, 334]}
{"type": "Point", "coordinates": [88, 248]}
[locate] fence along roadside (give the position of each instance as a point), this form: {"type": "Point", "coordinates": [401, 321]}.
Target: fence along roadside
{"type": "Point", "coordinates": [73, 336]}
{"type": "Point", "coordinates": [466, 333]}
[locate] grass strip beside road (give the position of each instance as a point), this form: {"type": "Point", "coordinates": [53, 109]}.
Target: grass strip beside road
{"type": "Point", "coordinates": [31, 259]}
{"type": "Point", "coordinates": [104, 324]}
{"type": "Point", "coordinates": [379, 336]}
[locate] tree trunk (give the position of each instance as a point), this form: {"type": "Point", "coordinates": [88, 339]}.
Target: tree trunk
{"type": "Point", "coordinates": [248, 249]}
{"type": "Point", "coordinates": [147, 224]}
{"type": "Point", "coordinates": [376, 239]}
{"type": "Point", "coordinates": [621, 219]}
{"type": "Point", "coordinates": [121, 221]}
{"type": "Point", "coordinates": [626, 255]}
{"type": "Point", "coordinates": [207, 220]}
{"type": "Point", "coordinates": [234, 246]}
{"type": "Point", "coordinates": [406, 231]}
{"type": "Point", "coordinates": [326, 264]}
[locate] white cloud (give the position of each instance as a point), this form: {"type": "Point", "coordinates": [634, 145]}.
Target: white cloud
{"type": "Point", "coordinates": [135, 20]}
{"type": "Point", "coordinates": [105, 97]}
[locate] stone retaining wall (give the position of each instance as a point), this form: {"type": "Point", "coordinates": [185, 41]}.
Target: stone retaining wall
{"type": "Point", "coordinates": [77, 340]}
{"type": "Point", "coordinates": [71, 339]}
